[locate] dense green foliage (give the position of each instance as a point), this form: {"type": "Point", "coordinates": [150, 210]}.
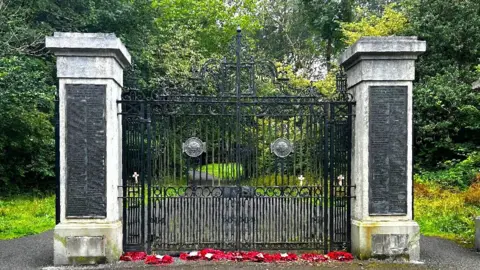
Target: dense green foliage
{"type": "Point", "coordinates": [447, 111]}
{"type": "Point", "coordinates": [455, 174]}
{"type": "Point", "coordinates": [26, 130]}
{"type": "Point", "coordinates": [446, 119]}
{"type": "Point", "coordinates": [167, 37]}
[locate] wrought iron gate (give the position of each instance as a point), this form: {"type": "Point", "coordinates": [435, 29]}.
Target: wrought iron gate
{"type": "Point", "coordinates": [244, 161]}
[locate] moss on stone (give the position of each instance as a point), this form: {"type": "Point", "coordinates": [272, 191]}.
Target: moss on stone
{"type": "Point", "coordinates": [60, 239]}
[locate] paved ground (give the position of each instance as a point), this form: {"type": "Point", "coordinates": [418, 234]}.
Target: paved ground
{"type": "Point", "coordinates": [444, 254]}
{"type": "Point", "coordinates": [31, 252]}
{"type": "Point", "coordinates": [36, 252]}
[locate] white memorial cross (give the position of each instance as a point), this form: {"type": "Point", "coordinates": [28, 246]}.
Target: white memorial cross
{"type": "Point", "coordinates": [136, 175]}
{"type": "Point", "coordinates": [301, 178]}
{"type": "Point", "coordinates": [340, 179]}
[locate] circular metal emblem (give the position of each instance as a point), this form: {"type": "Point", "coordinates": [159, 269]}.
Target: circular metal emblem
{"type": "Point", "coordinates": [281, 147]}
{"type": "Point", "coordinates": [194, 147]}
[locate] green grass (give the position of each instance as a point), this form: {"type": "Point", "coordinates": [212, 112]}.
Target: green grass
{"type": "Point", "coordinates": [26, 215]}
{"type": "Point", "coordinates": [222, 170]}
{"type": "Point", "coordinates": [444, 213]}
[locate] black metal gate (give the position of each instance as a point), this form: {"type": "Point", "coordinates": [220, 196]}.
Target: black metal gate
{"type": "Point", "coordinates": [258, 165]}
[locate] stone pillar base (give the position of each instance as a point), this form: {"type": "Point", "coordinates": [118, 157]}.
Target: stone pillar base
{"type": "Point", "coordinates": [387, 239]}
{"type": "Point", "coordinates": [87, 243]}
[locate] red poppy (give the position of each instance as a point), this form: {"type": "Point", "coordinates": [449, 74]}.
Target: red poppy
{"type": "Point", "coordinates": [314, 257]}
{"type": "Point", "coordinates": [158, 259]}
{"type": "Point", "coordinates": [133, 256]}
{"type": "Point", "coordinates": [340, 256]}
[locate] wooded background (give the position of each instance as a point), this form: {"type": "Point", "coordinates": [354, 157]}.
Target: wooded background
{"type": "Point", "coordinates": [167, 37]}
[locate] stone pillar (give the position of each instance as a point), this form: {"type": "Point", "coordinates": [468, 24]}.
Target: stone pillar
{"type": "Point", "coordinates": [90, 72]}
{"type": "Point", "coordinates": [380, 71]}
{"type": "Point", "coordinates": [476, 87]}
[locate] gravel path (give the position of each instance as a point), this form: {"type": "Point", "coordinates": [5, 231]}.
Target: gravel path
{"type": "Point", "coordinates": [36, 252]}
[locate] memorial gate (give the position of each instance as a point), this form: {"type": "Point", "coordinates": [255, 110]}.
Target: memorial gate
{"type": "Point", "coordinates": [236, 158]}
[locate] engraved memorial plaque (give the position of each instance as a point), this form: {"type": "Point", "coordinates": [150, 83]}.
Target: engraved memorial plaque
{"type": "Point", "coordinates": [85, 151]}
{"type": "Point", "coordinates": [388, 150]}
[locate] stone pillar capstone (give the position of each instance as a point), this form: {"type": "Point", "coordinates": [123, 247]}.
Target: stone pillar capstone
{"type": "Point", "coordinates": [90, 72]}
{"type": "Point", "coordinates": [380, 71]}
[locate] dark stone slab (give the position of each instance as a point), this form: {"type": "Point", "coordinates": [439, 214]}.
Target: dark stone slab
{"type": "Point", "coordinates": [86, 149]}
{"type": "Point", "coordinates": [388, 136]}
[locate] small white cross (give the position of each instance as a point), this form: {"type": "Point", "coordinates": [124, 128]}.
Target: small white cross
{"type": "Point", "coordinates": [340, 179]}
{"type": "Point", "coordinates": [301, 178]}
{"type": "Point", "coordinates": [136, 175]}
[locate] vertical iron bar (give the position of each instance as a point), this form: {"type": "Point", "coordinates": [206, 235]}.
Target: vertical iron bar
{"type": "Point", "coordinates": [149, 180]}
{"type": "Point", "coordinates": [349, 178]}
{"type": "Point", "coordinates": [332, 176]}
{"type": "Point", "coordinates": [142, 181]}
{"type": "Point", "coordinates": [325, 178]}
{"type": "Point", "coordinates": [124, 178]}
{"type": "Point", "coordinates": [237, 137]}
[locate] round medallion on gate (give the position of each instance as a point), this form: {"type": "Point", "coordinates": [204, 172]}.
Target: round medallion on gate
{"type": "Point", "coordinates": [281, 147]}
{"type": "Point", "coordinates": [194, 147]}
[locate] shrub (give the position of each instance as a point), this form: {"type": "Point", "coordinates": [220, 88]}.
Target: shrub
{"type": "Point", "coordinates": [445, 213]}
{"type": "Point", "coordinates": [472, 195]}
{"type": "Point", "coordinates": [457, 175]}
{"type": "Point", "coordinates": [446, 125]}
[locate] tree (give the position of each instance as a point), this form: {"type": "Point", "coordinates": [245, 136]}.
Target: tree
{"type": "Point", "coordinates": [285, 37]}
{"type": "Point", "coordinates": [26, 131]}
{"type": "Point", "coordinates": [391, 22]}
{"type": "Point", "coordinates": [452, 32]}
{"type": "Point", "coordinates": [447, 116]}
{"type": "Point", "coordinates": [324, 18]}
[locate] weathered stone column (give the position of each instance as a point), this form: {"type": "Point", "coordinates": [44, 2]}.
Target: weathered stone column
{"type": "Point", "coordinates": [90, 72]}
{"type": "Point", "coordinates": [476, 87]}
{"type": "Point", "coordinates": [380, 71]}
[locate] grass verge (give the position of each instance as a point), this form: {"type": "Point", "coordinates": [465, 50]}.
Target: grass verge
{"type": "Point", "coordinates": [26, 215]}
{"type": "Point", "coordinates": [446, 213]}
{"type": "Point", "coordinates": [222, 170]}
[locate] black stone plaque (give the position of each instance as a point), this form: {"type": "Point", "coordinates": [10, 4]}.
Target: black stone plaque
{"type": "Point", "coordinates": [86, 148]}
{"type": "Point", "coordinates": [388, 150]}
